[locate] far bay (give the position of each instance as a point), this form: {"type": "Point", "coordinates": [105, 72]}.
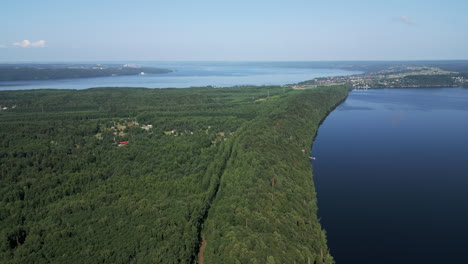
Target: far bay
{"type": "Point", "coordinates": [193, 74]}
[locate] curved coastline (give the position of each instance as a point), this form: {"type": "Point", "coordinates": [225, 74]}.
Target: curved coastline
{"type": "Point", "coordinates": [279, 175]}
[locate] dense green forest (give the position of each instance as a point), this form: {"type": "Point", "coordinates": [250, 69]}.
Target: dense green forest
{"type": "Point", "coordinates": [24, 72]}
{"type": "Point", "coordinates": [130, 175]}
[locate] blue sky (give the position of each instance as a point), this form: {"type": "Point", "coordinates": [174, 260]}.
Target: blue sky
{"type": "Point", "coordinates": [241, 30]}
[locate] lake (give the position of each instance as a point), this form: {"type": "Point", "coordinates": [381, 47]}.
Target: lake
{"type": "Point", "coordinates": [192, 74]}
{"type": "Point", "coordinates": [392, 176]}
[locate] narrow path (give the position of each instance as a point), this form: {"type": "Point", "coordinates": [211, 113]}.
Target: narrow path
{"type": "Point", "coordinates": [224, 155]}
{"type": "Point", "coordinates": [202, 250]}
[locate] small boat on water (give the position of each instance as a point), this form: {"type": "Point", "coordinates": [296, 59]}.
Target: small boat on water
{"type": "Point", "coordinates": [312, 158]}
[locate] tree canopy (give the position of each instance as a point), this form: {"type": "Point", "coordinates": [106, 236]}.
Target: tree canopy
{"type": "Point", "coordinates": [129, 175]}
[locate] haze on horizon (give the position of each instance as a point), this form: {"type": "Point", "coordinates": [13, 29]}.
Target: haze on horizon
{"type": "Point", "coordinates": [207, 30]}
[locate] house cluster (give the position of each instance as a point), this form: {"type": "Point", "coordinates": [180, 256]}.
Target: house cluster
{"type": "Point", "coordinates": [119, 129]}
{"type": "Point", "coordinates": [391, 77]}
{"type": "Point", "coordinates": [217, 136]}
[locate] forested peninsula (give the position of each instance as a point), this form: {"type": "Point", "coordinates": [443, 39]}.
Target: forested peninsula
{"type": "Point", "coordinates": [27, 72]}
{"type": "Point", "coordinates": [133, 175]}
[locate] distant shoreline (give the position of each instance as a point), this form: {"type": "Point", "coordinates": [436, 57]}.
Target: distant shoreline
{"type": "Point", "coordinates": [38, 72]}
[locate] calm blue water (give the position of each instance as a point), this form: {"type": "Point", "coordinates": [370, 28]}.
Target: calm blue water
{"type": "Point", "coordinates": [192, 74]}
{"type": "Point", "coordinates": [392, 176]}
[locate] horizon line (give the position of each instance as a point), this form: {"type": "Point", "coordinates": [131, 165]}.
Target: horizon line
{"type": "Point", "coordinates": [115, 61]}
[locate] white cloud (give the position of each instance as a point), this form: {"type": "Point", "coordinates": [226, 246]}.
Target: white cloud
{"type": "Point", "coordinates": [28, 44]}
{"type": "Point", "coordinates": [2, 46]}
{"type": "Point", "coordinates": [406, 20]}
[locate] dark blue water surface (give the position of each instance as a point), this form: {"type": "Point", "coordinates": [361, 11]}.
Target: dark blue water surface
{"type": "Point", "coordinates": [392, 176]}
{"type": "Point", "coordinates": [192, 74]}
